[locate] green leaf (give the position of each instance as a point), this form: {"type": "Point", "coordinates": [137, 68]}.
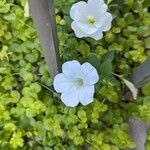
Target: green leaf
{"type": "Point", "coordinates": [147, 42]}
{"type": "Point", "coordinates": [146, 89]}
{"type": "Point", "coordinates": [33, 57]}
{"type": "Point", "coordinates": [15, 96]}
{"type": "Point", "coordinates": [35, 87]}
{"type": "Point", "coordinates": [143, 31]}
{"type": "Point", "coordinates": [81, 114]}
{"type": "Point", "coordinates": [26, 122]}
{"type": "Point", "coordinates": [10, 17]}
{"type": "Point", "coordinates": [67, 20]}
{"type": "Point", "coordinates": [108, 57]}
{"type": "Point", "coordinates": [66, 9]}
{"type": "Point", "coordinates": [110, 94]}
{"type": "Point", "coordinates": [148, 145]}
{"type": "Point", "coordinates": [106, 68]}
{"type": "Point", "coordinates": [95, 62]}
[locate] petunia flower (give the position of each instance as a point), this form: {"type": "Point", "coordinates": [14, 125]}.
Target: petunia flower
{"type": "Point", "coordinates": [90, 19]}
{"type": "Point", "coordinates": [76, 83]}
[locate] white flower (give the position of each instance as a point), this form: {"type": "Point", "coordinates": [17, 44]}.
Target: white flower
{"type": "Point", "coordinates": [76, 83]}
{"type": "Point", "coordinates": [90, 19]}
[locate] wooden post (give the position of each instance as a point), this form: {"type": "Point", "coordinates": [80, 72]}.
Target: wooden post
{"type": "Point", "coordinates": [138, 132]}
{"type": "Point", "coordinates": [43, 14]}
{"type": "Point", "coordinates": [142, 74]}
{"type": "Point", "coordinates": [138, 128]}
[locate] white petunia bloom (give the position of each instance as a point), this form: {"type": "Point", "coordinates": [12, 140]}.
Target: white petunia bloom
{"type": "Point", "coordinates": [90, 19]}
{"type": "Point", "coordinates": [76, 83]}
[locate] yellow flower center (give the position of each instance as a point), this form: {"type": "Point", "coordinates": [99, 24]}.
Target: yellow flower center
{"type": "Point", "coordinates": [91, 20]}
{"type": "Point", "coordinates": [79, 82]}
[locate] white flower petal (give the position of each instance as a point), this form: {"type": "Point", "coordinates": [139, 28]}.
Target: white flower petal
{"type": "Point", "coordinates": [86, 95]}
{"type": "Point", "coordinates": [95, 2]}
{"type": "Point", "coordinates": [76, 9]}
{"type": "Point", "coordinates": [71, 68]}
{"type": "Point", "coordinates": [80, 31]}
{"type": "Point", "coordinates": [77, 30]}
{"type": "Point", "coordinates": [89, 29]}
{"type": "Point", "coordinates": [90, 73]}
{"type": "Point", "coordinates": [70, 98]}
{"type": "Point", "coordinates": [98, 35]}
{"type": "Point", "coordinates": [62, 83]}
{"type": "Point", "coordinates": [97, 5]}
{"type": "Point", "coordinates": [107, 22]}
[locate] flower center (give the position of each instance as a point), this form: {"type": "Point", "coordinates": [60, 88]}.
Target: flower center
{"type": "Point", "coordinates": [79, 82]}
{"type": "Point", "coordinates": [91, 20]}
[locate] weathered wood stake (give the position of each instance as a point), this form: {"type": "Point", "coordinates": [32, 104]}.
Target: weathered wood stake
{"type": "Point", "coordinates": [43, 14]}
{"type": "Point", "coordinates": [142, 74]}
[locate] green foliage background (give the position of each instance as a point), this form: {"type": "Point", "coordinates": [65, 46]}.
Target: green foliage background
{"type": "Point", "coordinates": [34, 118]}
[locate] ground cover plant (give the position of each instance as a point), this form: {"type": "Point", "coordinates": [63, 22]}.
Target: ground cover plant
{"type": "Point", "coordinates": [32, 116]}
